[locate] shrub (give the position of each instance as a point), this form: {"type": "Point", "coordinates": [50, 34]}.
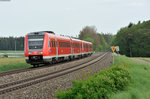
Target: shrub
{"type": "Point", "coordinates": [100, 85]}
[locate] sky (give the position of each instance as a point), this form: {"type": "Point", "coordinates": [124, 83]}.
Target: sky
{"type": "Point", "coordinates": [69, 17]}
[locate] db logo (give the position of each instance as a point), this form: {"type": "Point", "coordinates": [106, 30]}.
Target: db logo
{"type": "Point", "coordinates": [35, 52]}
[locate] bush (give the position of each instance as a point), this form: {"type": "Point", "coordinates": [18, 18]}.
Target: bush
{"type": "Point", "coordinates": [100, 85]}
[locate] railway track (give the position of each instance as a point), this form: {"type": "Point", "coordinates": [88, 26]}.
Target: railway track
{"type": "Point", "coordinates": [12, 86]}
{"type": "Point", "coordinates": [32, 68]}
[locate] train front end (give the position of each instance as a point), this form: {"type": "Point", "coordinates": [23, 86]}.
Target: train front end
{"type": "Point", "coordinates": [34, 43]}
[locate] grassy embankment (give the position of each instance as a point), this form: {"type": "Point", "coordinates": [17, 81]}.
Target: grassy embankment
{"type": "Point", "coordinates": [101, 85]}
{"type": "Point", "coordinates": [7, 64]}
{"type": "Point", "coordinates": [113, 83]}
{"type": "Point", "coordinates": [140, 81]}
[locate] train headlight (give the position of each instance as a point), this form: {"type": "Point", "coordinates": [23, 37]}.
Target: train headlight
{"type": "Point", "coordinates": [30, 52]}
{"type": "Point", "coordinates": [40, 52]}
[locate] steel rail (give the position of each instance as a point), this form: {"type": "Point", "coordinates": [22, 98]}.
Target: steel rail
{"type": "Point", "coordinates": [50, 76]}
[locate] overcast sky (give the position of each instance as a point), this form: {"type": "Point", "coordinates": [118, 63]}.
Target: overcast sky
{"type": "Point", "coordinates": [68, 17]}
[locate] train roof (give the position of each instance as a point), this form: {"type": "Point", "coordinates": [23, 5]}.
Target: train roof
{"type": "Point", "coordinates": [41, 32]}
{"type": "Point", "coordinates": [76, 39]}
{"type": "Point", "coordinates": [81, 40]}
{"type": "Point", "coordinates": [58, 36]}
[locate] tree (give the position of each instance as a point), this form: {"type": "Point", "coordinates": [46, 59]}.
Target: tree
{"type": "Point", "coordinates": [89, 33]}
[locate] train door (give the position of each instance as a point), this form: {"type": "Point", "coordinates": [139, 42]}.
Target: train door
{"type": "Point", "coordinates": [56, 47]}
{"type": "Point", "coordinates": [80, 45]}
{"type": "Point", "coordinates": [53, 47]}
{"type": "Point", "coordinates": [72, 47]}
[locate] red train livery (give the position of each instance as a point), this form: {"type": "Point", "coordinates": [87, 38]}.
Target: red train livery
{"type": "Point", "coordinates": [46, 47]}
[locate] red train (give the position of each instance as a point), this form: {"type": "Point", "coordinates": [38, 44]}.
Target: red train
{"type": "Point", "coordinates": [46, 47]}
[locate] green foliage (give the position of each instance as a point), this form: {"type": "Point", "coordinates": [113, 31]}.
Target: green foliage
{"type": "Point", "coordinates": [100, 85]}
{"type": "Point", "coordinates": [102, 42]}
{"type": "Point", "coordinates": [134, 40]}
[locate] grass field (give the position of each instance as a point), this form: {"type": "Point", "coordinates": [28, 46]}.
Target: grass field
{"type": "Point", "coordinates": [139, 87]}
{"type": "Point", "coordinates": [10, 51]}
{"type": "Point", "coordinates": [7, 64]}
{"type": "Point", "coordinates": [146, 59]}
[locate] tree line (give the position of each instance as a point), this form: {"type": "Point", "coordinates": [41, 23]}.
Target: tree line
{"type": "Point", "coordinates": [11, 43]}
{"type": "Point", "coordinates": [134, 39]}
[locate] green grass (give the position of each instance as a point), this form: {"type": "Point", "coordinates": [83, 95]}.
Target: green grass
{"type": "Point", "coordinates": [7, 64]}
{"type": "Point", "coordinates": [139, 88]}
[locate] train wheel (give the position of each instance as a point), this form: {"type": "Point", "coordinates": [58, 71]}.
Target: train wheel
{"type": "Point", "coordinates": [35, 65]}
{"type": "Point", "coordinates": [70, 58]}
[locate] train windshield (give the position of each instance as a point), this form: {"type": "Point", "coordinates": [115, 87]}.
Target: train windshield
{"type": "Point", "coordinates": [35, 42]}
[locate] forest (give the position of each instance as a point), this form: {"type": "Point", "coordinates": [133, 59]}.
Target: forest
{"type": "Point", "coordinates": [134, 39]}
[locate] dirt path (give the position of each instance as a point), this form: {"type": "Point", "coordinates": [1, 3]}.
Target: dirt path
{"type": "Point", "coordinates": [140, 60]}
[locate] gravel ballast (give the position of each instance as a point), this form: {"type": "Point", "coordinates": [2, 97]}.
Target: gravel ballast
{"type": "Point", "coordinates": [47, 89]}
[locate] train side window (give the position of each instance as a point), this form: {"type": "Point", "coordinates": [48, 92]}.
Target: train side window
{"type": "Point", "coordinates": [62, 44]}
{"type": "Point", "coordinates": [68, 44]}
{"type": "Point", "coordinates": [59, 44]}
{"type": "Point", "coordinates": [51, 43]}
{"type": "Point", "coordinates": [54, 44]}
